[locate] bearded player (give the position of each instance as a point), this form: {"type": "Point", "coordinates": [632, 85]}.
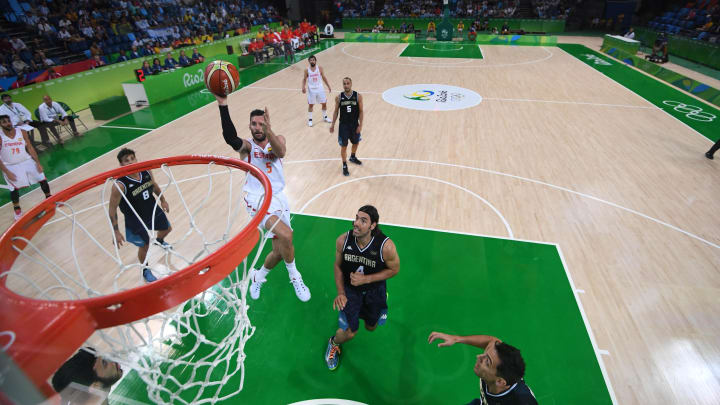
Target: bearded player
{"type": "Point", "coordinates": [314, 77]}
{"type": "Point", "coordinates": [265, 150]}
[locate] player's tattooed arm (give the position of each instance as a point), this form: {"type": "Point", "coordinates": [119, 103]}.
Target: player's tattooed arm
{"type": "Point", "coordinates": [228, 129]}
{"type": "Point", "coordinates": [115, 196]}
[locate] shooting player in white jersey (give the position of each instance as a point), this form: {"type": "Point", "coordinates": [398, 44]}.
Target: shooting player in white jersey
{"type": "Point", "coordinates": [265, 151]}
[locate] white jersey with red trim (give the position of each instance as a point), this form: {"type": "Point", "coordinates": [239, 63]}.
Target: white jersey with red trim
{"type": "Point", "coordinates": [265, 160]}
{"type": "Point", "coordinates": [13, 149]}
{"type": "Point", "coordinates": [315, 84]}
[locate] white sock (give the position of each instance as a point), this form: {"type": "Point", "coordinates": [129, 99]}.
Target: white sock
{"type": "Point", "coordinates": [324, 113]}
{"type": "Point", "coordinates": [262, 273]}
{"type": "Point", "coordinates": [292, 270]}
{"type": "Point", "coordinates": [310, 115]}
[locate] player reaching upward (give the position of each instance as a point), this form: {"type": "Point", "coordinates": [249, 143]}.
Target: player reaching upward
{"type": "Point", "coordinates": [314, 76]}
{"type": "Point", "coordinates": [350, 105]}
{"type": "Point", "coordinates": [265, 150]}
{"type": "Point", "coordinates": [141, 212]}
{"type": "Point", "coordinates": [19, 162]}
{"type": "Point", "coordinates": [364, 259]}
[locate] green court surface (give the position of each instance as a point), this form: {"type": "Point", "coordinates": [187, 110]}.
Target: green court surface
{"type": "Point", "coordinates": [455, 283]}
{"type": "Point", "coordinates": [443, 50]}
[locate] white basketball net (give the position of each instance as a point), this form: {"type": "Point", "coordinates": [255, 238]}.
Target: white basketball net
{"type": "Point", "coordinates": [183, 355]}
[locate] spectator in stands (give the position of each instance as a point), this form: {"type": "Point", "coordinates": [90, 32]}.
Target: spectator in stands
{"type": "Point", "coordinates": [19, 65]}
{"type": "Point", "coordinates": [64, 36]}
{"type": "Point", "coordinates": [197, 56]}
{"type": "Point", "coordinates": [18, 44]}
{"type": "Point", "coordinates": [630, 34]}
{"type": "Point", "coordinates": [95, 50]}
{"type": "Point", "coordinates": [146, 68]}
{"type": "Point", "coordinates": [4, 72]}
{"type": "Point", "coordinates": [86, 370]}
{"type": "Point", "coordinates": [52, 74]}
{"type": "Point", "coordinates": [64, 23]}
{"type": "Point", "coordinates": [20, 118]}
{"type": "Point", "coordinates": [708, 25]}
{"type": "Point", "coordinates": [505, 30]}
{"type": "Point", "coordinates": [46, 30]}
{"type": "Point", "coordinates": [148, 50]}
{"type": "Point", "coordinates": [170, 62]}
{"type": "Point", "coordinates": [156, 66]}
{"type": "Point", "coordinates": [97, 61]}
{"type": "Point", "coordinates": [122, 57]}
{"type": "Point", "coordinates": [51, 115]}
{"type": "Point", "coordinates": [183, 60]}
{"type": "Point", "coordinates": [134, 54]}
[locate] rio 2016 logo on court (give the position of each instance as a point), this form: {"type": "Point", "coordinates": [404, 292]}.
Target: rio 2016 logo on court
{"type": "Point", "coordinates": [432, 97]}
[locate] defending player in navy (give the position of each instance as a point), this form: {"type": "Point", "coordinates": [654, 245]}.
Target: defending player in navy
{"type": "Point", "coordinates": [134, 195]}
{"type": "Point", "coordinates": [350, 105]}
{"type": "Point", "coordinates": [364, 259]}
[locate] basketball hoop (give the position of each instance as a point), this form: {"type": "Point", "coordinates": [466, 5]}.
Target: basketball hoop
{"type": "Point", "coordinates": [45, 319]}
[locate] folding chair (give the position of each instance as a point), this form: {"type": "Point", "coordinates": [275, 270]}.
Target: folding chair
{"type": "Point", "coordinates": [72, 114]}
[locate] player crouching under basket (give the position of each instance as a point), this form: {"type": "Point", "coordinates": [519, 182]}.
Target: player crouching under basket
{"type": "Point", "coordinates": [134, 195]}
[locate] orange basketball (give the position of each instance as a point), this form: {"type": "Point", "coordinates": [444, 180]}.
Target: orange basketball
{"type": "Point", "coordinates": [221, 78]}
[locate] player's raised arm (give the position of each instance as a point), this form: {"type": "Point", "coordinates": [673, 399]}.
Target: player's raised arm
{"type": "Point", "coordinates": [335, 113]}
{"type": "Point", "coordinates": [115, 196]}
{"type": "Point", "coordinates": [228, 128]}
{"type": "Point", "coordinates": [277, 142]}
{"type": "Point", "coordinates": [480, 341]}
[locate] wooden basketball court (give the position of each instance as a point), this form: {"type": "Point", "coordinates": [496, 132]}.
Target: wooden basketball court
{"type": "Point", "coordinates": [555, 152]}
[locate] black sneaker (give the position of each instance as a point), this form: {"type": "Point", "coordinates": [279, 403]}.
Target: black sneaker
{"type": "Point", "coordinates": [355, 160]}
{"type": "Point", "coordinates": [346, 172]}
{"type": "Point", "coordinates": [709, 155]}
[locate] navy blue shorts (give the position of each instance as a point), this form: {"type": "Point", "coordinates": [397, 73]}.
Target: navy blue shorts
{"type": "Point", "coordinates": [136, 234]}
{"type": "Point", "coordinates": [367, 305]}
{"type": "Point", "coordinates": [348, 132]}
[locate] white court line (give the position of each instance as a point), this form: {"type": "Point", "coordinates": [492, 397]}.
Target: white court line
{"type": "Point", "coordinates": [550, 55]}
{"type": "Point", "coordinates": [603, 352]}
{"type": "Point", "coordinates": [579, 291]}
{"type": "Point", "coordinates": [600, 361]}
{"type": "Point", "coordinates": [462, 60]}
{"type": "Point", "coordinates": [573, 102]}
{"type": "Point", "coordinates": [445, 50]}
{"type": "Point", "coordinates": [494, 99]}
{"type": "Point", "coordinates": [597, 199]}
{"type": "Point", "coordinates": [486, 202]}
{"type": "Point", "coordinates": [138, 128]}
{"type": "Point", "coordinates": [637, 95]}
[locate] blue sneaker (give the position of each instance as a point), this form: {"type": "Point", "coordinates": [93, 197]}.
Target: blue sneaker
{"type": "Point", "coordinates": [383, 317]}
{"type": "Point", "coordinates": [332, 355]}
{"type": "Point", "coordinates": [162, 244]}
{"type": "Point", "coordinates": [148, 276]}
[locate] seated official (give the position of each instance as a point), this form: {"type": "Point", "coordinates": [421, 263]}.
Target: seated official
{"type": "Point", "coordinates": [197, 56]}
{"type": "Point", "coordinates": [147, 70]}
{"type": "Point", "coordinates": [122, 57]}
{"type": "Point", "coordinates": [183, 60]}
{"type": "Point", "coordinates": [170, 62]}
{"type": "Point", "coordinates": [134, 54]}
{"type": "Point", "coordinates": [156, 67]}
{"type": "Point", "coordinates": [51, 115]}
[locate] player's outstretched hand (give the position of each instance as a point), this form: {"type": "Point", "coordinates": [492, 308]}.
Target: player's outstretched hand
{"type": "Point", "coordinates": [449, 340]}
{"type": "Point", "coordinates": [220, 99]}
{"type": "Point", "coordinates": [119, 239]}
{"type": "Point", "coordinates": [303, 90]}
{"type": "Point", "coordinates": [266, 125]}
{"type": "Point", "coordinates": [332, 128]}
{"type": "Point", "coordinates": [340, 301]}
